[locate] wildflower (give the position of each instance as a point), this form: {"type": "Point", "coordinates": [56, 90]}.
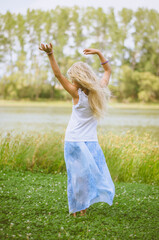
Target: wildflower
{"type": "Point", "coordinates": [11, 225]}
{"type": "Point", "coordinates": [28, 234]}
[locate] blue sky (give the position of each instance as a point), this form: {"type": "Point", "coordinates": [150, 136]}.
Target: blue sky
{"type": "Point", "coordinates": [22, 5]}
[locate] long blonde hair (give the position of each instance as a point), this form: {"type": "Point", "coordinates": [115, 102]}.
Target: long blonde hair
{"type": "Point", "coordinates": [98, 96]}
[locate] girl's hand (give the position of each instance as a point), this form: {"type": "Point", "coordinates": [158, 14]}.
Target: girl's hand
{"type": "Point", "coordinates": [91, 51]}
{"type": "Point", "coordinates": [46, 49]}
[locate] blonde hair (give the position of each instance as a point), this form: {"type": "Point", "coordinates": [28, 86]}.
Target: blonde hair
{"type": "Point", "coordinates": [98, 96]}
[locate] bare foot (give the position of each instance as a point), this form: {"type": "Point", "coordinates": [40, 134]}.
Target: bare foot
{"type": "Point", "coordinates": [73, 214]}
{"type": "Point", "coordinates": [83, 212]}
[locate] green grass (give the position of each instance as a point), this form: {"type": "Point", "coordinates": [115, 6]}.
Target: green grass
{"type": "Point", "coordinates": [129, 157]}
{"type": "Point", "coordinates": [35, 206]}
{"type": "Point", "coordinates": [68, 103]}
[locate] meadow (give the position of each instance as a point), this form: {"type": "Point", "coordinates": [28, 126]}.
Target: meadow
{"type": "Point", "coordinates": [33, 187]}
{"type": "Point", "coordinates": [34, 206]}
{"type": "Point", "coordinates": [67, 103]}
{"type": "Point", "coordinates": [34, 112]}
{"type": "Point", "coordinates": [129, 157]}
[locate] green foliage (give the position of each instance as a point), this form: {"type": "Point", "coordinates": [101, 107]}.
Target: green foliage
{"type": "Point", "coordinates": [128, 82]}
{"type": "Point", "coordinates": [143, 86]}
{"type": "Point", "coordinates": [149, 87]}
{"type": "Point", "coordinates": [28, 71]}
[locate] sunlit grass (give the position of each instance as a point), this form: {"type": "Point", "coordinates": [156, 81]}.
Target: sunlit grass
{"type": "Point", "coordinates": [64, 103]}
{"type": "Point", "coordinates": [129, 157]}
{"type": "Point", "coordinates": [132, 157]}
{"type": "Point", "coordinates": [40, 103]}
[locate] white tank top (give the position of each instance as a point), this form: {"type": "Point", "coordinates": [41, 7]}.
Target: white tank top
{"type": "Point", "coordinates": [82, 125]}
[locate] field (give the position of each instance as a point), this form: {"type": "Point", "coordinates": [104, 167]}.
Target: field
{"type": "Point", "coordinates": [34, 206]}
{"type": "Point", "coordinates": [33, 187]}
{"type": "Point", "coordinates": [69, 103]}
{"type": "Point", "coordinates": [129, 157]}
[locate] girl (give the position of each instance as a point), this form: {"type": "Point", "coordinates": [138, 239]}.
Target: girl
{"type": "Point", "coordinates": [88, 177]}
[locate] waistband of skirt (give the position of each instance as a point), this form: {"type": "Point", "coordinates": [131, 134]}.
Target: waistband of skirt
{"type": "Point", "coordinates": [96, 140]}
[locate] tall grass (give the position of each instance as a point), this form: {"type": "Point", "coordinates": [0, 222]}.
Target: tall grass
{"type": "Point", "coordinates": [129, 157]}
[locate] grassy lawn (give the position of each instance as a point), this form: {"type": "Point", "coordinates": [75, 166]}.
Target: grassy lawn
{"type": "Point", "coordinates": [34, 206]}
{"type": "Point", "coordinates": [60, 103]}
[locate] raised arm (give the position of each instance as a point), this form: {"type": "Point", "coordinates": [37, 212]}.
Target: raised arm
{"type": "Point", "coordinates": [107, 69]}
{"type": "Point", "coordinates": [53, 63]}
{"type": "Point", "coordinates": [70, 88]}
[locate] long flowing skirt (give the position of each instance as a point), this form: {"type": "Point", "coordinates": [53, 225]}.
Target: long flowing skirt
{"type": "Point", "coordinates": [88, 177]}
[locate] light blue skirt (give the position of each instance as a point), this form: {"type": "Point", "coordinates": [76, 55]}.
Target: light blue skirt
{"type": "Point", "coordinates": [88, 177]}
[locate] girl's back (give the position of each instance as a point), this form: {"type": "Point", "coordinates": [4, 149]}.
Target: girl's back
{"type": "Point", "coordinates": [82, 125]}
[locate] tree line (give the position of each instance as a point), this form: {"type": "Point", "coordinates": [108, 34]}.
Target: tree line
{"type": "Point", "coordinates": [129, 39]}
